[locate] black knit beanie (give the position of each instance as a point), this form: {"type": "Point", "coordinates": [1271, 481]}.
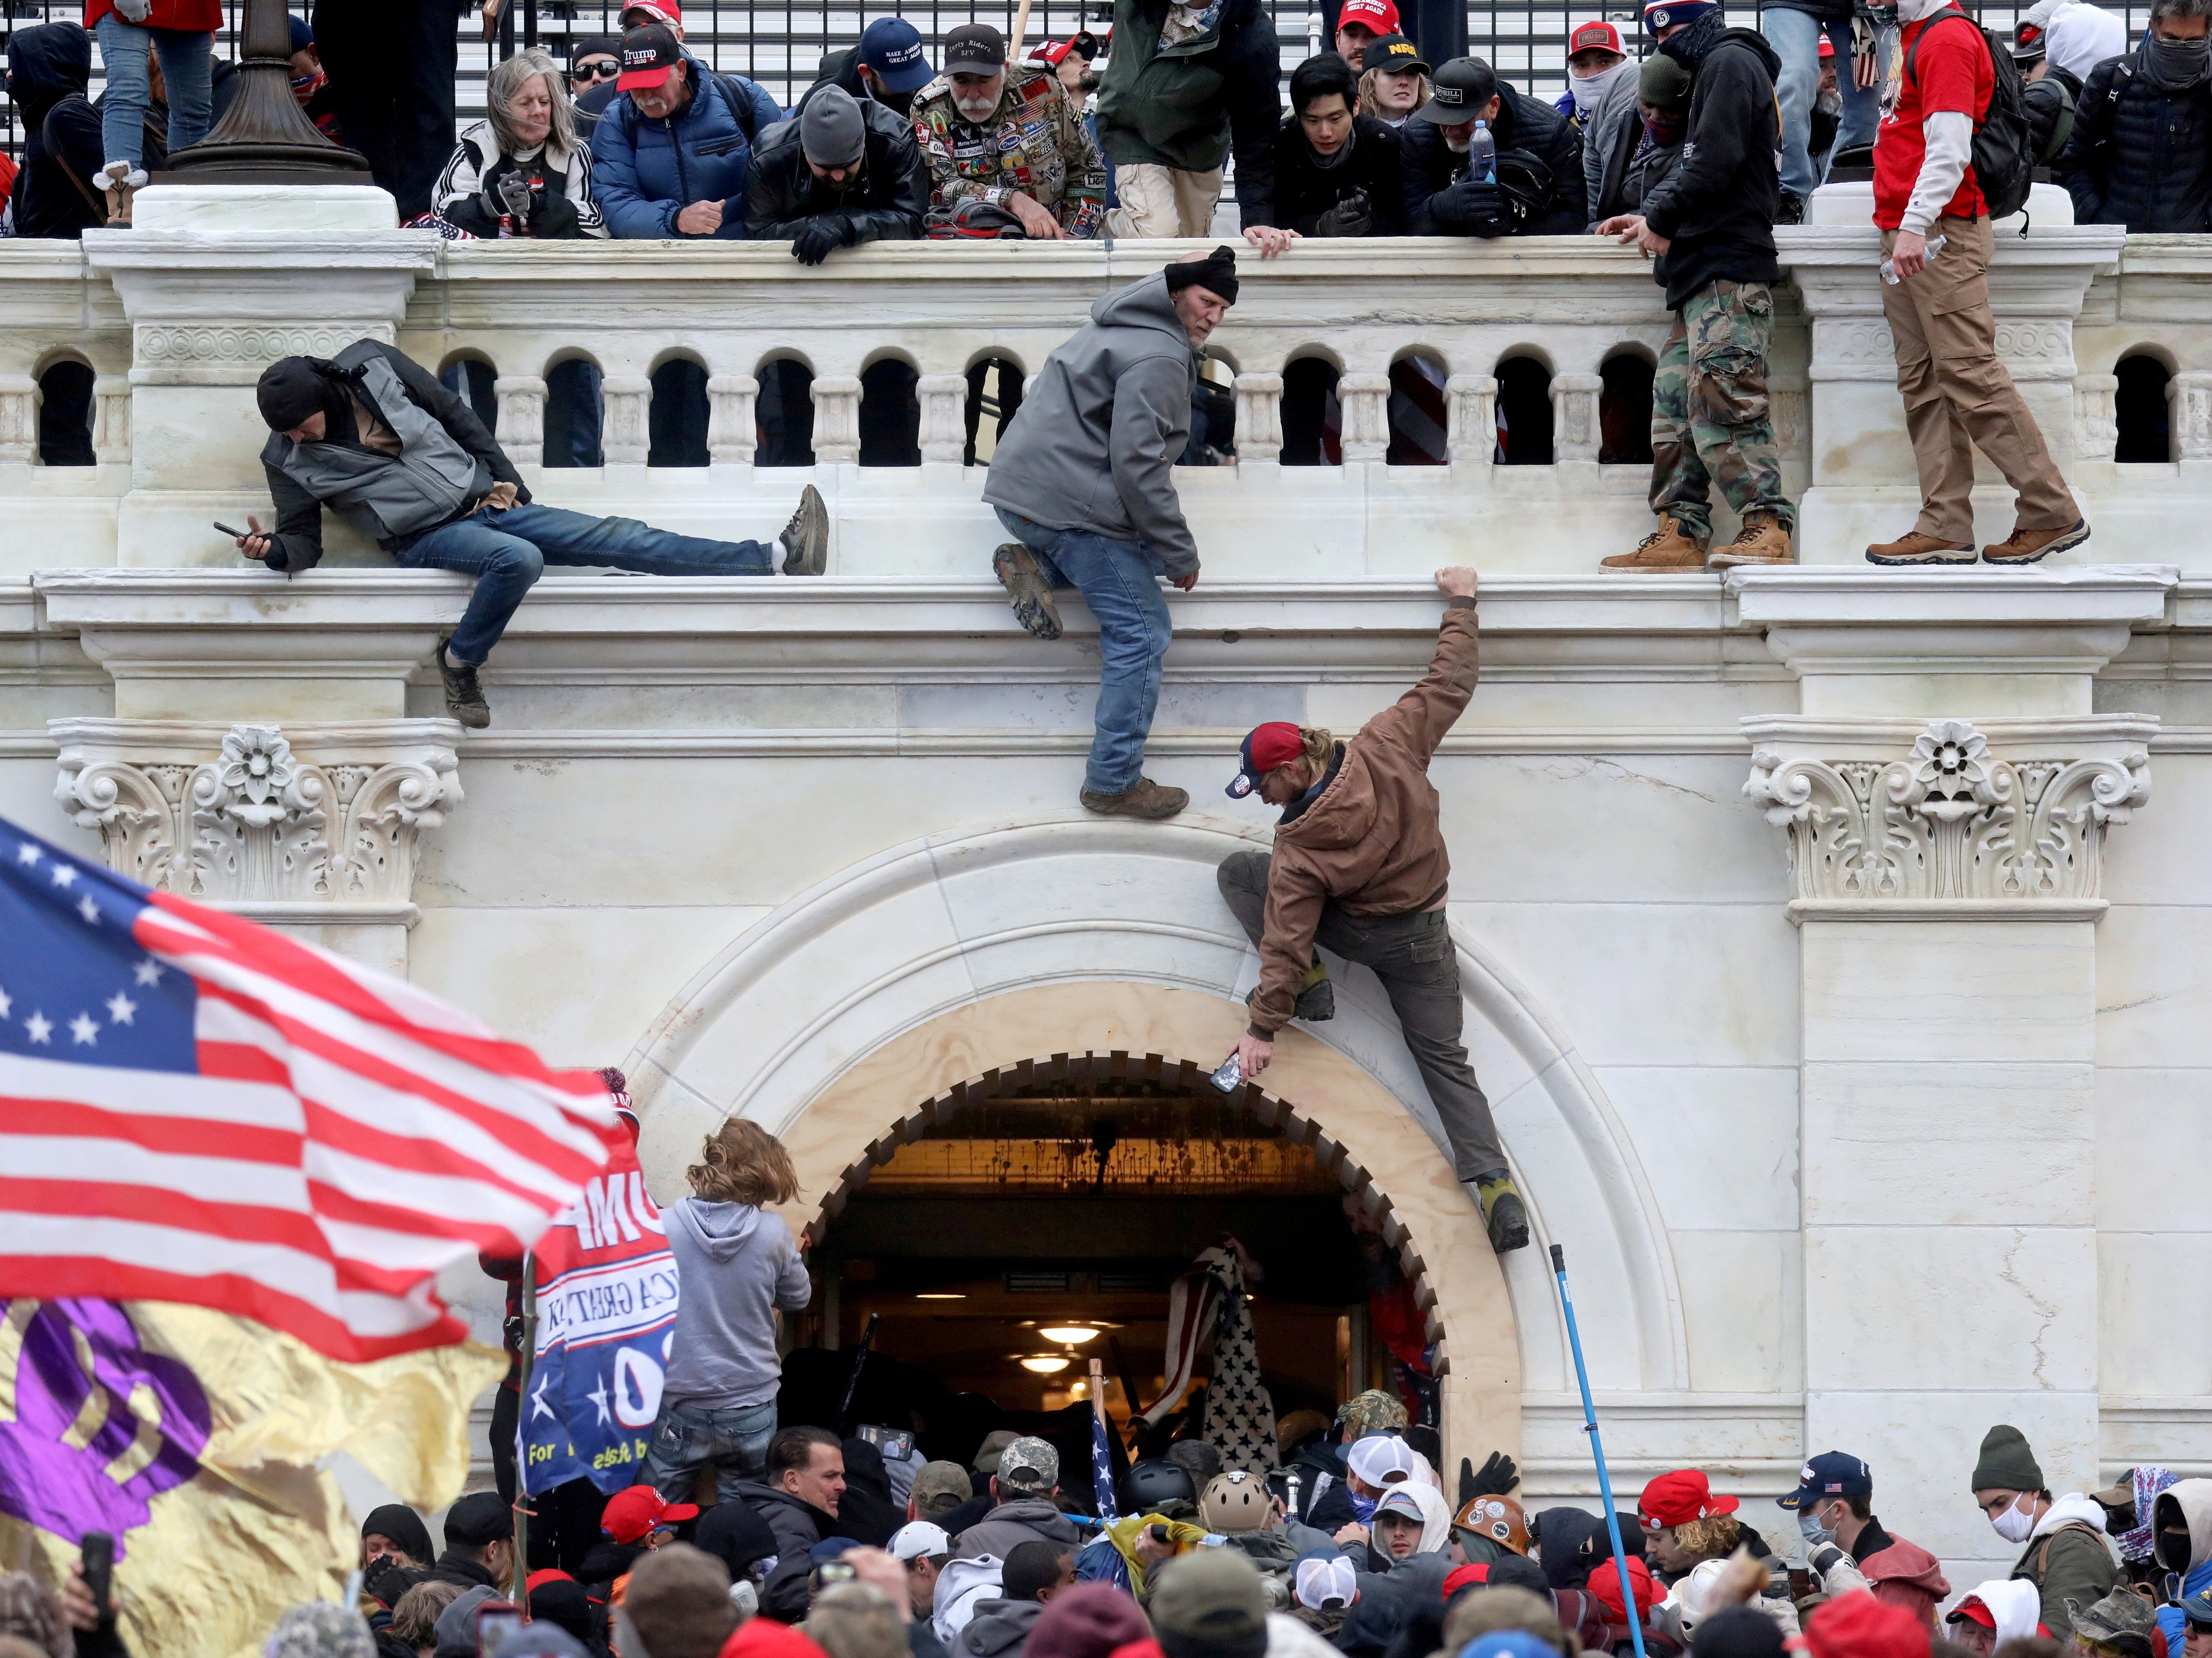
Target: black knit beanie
{"type": "Point", "coordinates": [1216, 273]}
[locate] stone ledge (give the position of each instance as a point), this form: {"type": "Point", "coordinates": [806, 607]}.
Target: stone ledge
{"type": "Point", "coordinates": [1802, 910]}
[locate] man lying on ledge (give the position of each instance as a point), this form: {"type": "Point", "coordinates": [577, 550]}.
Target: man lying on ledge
{"type": "Point", "coordinates": [370, 435]}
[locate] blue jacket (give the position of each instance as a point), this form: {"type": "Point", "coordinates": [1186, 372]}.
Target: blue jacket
{"type": "Point", "coordinates": [645, 171]}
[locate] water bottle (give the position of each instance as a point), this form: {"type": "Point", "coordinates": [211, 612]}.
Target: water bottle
{"type": "Point", "coordinates": [1482, 154]}
{"type": "Point", "coordinates": [1889, 266]}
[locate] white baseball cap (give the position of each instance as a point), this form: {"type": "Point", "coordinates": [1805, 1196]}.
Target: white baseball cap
{"type": "Point", "coordinates": [917, 1538]}
{"type": "Point", "coordinates": [1381, 1460]}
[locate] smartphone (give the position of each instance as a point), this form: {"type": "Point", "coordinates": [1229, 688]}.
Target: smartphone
{"type": "Point", "coordinates": [1159, 1533]}
{"type": "Point", "coordinates": [98, 1555]}
{"type": "Point", "coordinates": [495, 1621]}
{"type": "Point", "coordinates": [832, 1571]}
{"type": "Point", "coordinates": [1229, 1075]}
{"type": "Point", "coordinates": [1801, 1582]}
{"type": "Point", "coordinates": [235, 535]}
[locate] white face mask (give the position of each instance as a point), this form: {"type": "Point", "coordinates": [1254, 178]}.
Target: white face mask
{"type": "Point", "coordinates": [2013, 1525]}
{"type": "Point", "coordinates": [1915, 11]}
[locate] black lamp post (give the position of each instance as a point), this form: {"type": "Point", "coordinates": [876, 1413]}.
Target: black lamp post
{"type": "Point", "coordinates": [264, 137]}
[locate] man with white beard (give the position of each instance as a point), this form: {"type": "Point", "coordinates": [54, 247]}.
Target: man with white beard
{"type": "Point", "coordinates": [1009, 137]}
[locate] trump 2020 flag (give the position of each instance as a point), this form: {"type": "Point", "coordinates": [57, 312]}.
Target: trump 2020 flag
{"type": "Point", "coordinates": [231, 1166]}
{"type": "Point", "coordinates": [606, 1316]}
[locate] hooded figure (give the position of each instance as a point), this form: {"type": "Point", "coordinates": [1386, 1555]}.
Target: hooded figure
{"type": "Point", "coordinates": [402, 1525]}
{"type": "Point", "coordinates": [2187, 1502]}
{"type": "Point", "coordinates": [2014, 1609]}
{"type": "Point", "coordinates": [866, 1511]}
{"type": "Point", "coordinates": [737, 1264]}
{"type": "Point", "coordinates": [49, 67]}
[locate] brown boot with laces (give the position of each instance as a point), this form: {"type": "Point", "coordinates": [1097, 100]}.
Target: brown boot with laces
{"type": "Point", "coordinates": [1669, 547]}
{"type": "Point", "coordinates": [1761, 541]}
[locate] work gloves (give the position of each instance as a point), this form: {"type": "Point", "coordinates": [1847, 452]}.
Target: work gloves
{"type": "Point", "coordinates": [1497, 1479]}
{"type": "Point", "coordinates": [1474, 207]}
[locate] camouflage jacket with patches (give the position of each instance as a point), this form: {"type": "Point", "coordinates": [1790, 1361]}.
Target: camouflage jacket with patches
{"type": "Point", "coordinates": [1036, 142]}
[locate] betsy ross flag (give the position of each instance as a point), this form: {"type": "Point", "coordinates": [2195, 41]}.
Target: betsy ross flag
{"type": "Point", "coordinates": [196, 1108]}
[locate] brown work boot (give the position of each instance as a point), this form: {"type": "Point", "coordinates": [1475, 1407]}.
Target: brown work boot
{"type": "Point", "coordinates": [1027, 590]}
{"type": "Point", "coordinates": [2026, 546]}
{"type": "Point", "coordinates": [1761, 541]}
{"type": "Point", "coordinates": [1144, 798]}
{"type": "Point", "coordinates": [1920, 548]}
{"type": "Point", "coordinates": [1669, 547]}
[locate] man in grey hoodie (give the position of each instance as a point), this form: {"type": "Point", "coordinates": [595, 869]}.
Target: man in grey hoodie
{"type": "Point", "coordinates": [1082, 479]}
{"type": "Point", "coordinates": [1035, 1572]}
{"type": "Point", "coordinates": [737, 1267]}
{"type": "Point", "coordinates": [1022, 1490]}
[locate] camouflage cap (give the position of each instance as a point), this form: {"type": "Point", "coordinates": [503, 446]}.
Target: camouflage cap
{"type": "Point", "coordinates": [939, 1488]}
{"type": "Point", "coordinates": [1029, 1464]}
{"type": "Point", "coordinates": [1373, 1411]}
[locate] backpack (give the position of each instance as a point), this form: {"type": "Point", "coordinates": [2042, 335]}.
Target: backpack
{"type": "Point", "coordinates": [2004, 148]}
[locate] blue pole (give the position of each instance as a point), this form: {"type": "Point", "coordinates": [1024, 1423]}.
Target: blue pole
{"type": "Point", "coordinates": [1634, 1617]}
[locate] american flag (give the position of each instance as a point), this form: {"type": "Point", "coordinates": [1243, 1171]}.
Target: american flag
{"type": "Point", "coordinates": [196, 1108]}
{"type": "Point", "coordinates": [1101, 1464]}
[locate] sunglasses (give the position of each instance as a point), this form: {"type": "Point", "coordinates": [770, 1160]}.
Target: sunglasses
{"type": "Point", "coordinates": [604, 68]}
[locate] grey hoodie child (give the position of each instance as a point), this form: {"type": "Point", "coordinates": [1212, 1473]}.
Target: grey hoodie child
{"type": "Point", "coordinates": [734, 1264]}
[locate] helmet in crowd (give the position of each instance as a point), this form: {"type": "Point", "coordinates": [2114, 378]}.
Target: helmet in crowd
{"type": "Point", "coordinates": [1500, 1519]}
{"type": "Point", "coordinates": [1234, 1502]}
{"type": "Point", "coordinates": [1152, 1482]}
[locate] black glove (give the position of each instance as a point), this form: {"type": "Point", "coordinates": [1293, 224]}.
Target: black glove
{"type": "Point", "coordinates": [819, 237]}
{"type": "Point", "coordinates": [1353, 216]}
{"type": "Point", "coordinates": [1497, 1479]}
{"type": "Point", "coordinates": [387, 1580]}
{"type": "Point", "coordinates": [1475, 207]}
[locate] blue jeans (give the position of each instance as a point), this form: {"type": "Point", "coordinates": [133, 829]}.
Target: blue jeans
{"type": "Point", "coordinates": [1120, 580]}
{"type": "Point", "coordinates": [1795, 38]}
{"type": "Point", "coordinates": [689, 1437]}
{"type": "Point", "coordinates": [185, 70]}
{"type": "Point", "coordinates": [508, 551]}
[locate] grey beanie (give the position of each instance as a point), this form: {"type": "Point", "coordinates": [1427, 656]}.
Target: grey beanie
{"type": "Point", "coordinates": [830, 130]}
{"type": "Point", "coordinates": [2006, 1464]}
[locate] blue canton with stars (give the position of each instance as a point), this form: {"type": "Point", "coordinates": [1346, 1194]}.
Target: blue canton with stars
{"type": "Point", "coordinates": [76, 986]}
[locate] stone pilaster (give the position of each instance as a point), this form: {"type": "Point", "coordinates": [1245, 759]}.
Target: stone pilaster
{"type": "Point", "coordinates": [1947, 797]}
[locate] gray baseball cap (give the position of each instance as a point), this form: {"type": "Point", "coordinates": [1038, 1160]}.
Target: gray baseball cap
{"type": "Point", "coordinates": [830, 128]}
{"type": "Point", "coordinates": [1029, 1464]}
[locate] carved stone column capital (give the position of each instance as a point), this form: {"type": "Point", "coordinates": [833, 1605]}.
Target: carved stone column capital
{"type": "Point", "coordinates": [316, 824]}
{"type": "Point", "coordinates": [1948, 819]}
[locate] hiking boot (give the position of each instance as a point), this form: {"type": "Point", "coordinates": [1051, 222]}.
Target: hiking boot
{"type": "Point", "coordinates": [1921, 548]}
{"type": "Point", "coordinates": [1317, 996]}
{"type": "Point", "coordinates": [1791, 209]}
{"type": "Point", "coordinates": [1761, 541]}
{"type": "Point", "coordinates": [1502, 1212]}
{"type": "Point", "coordinates": [465, 698]}
{"type": "Point", "coordinates": [1144, 798]}
{"type": "Point", "coordinates": [2026, 546]}
{"type": "Point", "coordinates": [1027, 590]}
{"type": "Point", "coordinates": [806, 538]}
{"type": "Point", "coordinates": [1669, 547]}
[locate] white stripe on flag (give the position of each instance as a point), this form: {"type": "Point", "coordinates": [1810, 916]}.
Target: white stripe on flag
{"type": "Point", "coordinates": [118, 1162]}
{"type": "Point", "coordinates": [184, 1096]}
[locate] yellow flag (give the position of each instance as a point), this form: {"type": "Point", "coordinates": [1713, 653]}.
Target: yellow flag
{"type": "Point", "coordinates": [196, 1439]}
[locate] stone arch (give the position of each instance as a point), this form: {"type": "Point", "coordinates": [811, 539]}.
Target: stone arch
{"type": "Point", "coordinates": [902, 976]}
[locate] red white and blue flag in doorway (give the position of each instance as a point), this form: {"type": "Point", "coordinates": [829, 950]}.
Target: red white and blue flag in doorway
{"type": "Point", "coordinates": [1102, 1466]}
{"type": "Point", "coordinates": [196, 1108]}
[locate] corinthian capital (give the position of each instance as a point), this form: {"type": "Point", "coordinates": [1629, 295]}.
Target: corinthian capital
{"type": "Point", "coordinates": [1894, 816]}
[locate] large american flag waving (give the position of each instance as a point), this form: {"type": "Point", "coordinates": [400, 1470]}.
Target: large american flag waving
{"type": "Point", "coordinates": [196, 1108]}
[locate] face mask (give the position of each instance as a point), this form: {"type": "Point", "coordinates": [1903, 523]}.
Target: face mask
{"type": "Point", "coordinates": [1587, 89]}
{"type": "Point", "coordinates": [2176, 65]}
{"type": "Point", "coordinates": [1919, 11]}
{"type": "Point", "coordinates": [2013, 1525]}
{"type": "Point", "coordinates": [305, 87]}
{"type": "Point", "coordinates": [1665, 130]}
{"type": "Point", "coordinates": [1808, 1522]}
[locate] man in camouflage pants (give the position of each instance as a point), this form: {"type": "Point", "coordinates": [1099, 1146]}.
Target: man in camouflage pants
{"type": "Point", "coordinates": [1711, 225]}
{"type": "Point", "coordinates": [1008, 137]}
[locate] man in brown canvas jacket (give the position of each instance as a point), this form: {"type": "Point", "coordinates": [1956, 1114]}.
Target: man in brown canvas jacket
{"type": "Point", "coordinates": [1360, 868]}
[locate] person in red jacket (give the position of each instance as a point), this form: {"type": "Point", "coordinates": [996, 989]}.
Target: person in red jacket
{"type": "Point", "coordinates": [1958, 396]}
{"type": "Point", "coordinates": [1834, 1503]}
{"type": "Point", "coordinates": [181, 34]}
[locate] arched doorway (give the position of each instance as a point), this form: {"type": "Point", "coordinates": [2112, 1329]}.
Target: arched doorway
{"type": "Point", "coordinates": [934, 964]}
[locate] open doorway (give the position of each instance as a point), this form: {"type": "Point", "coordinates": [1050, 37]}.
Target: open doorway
{"type": "Point", "coordinates": [1008, 1244]}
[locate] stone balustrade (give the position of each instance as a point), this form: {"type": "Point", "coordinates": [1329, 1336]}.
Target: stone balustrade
{"type": "Point", "coordinates": [174, 321]}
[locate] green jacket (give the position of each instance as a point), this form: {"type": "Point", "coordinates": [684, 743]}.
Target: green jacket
{"type": "Point", "coordinates": [1185, 104]}
{"type": "Point", "coordinates": [2069, 1563]}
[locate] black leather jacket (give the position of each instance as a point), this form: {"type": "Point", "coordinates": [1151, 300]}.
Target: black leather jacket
{"type": "Point", "coordinates": [885, 203]}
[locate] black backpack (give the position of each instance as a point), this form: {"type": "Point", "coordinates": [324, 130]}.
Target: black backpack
{"type": "Point", "coordinates": [2004, 146]}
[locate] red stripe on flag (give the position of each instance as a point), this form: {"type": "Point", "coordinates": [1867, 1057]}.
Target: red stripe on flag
{"type": "Point", "coordinates": [199, 1137]}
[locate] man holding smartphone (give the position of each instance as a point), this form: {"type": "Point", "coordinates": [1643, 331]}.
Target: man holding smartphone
{"type": "Point", "coordinates": [372, 434]}
{"type": "Point", "coordinates": [1360, 866]}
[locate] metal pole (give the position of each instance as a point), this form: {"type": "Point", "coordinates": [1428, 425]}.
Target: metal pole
{"type": "Point", "coordinates": [522, 1594]}
{"type": "Point", "coordinates": [1632, 1614]}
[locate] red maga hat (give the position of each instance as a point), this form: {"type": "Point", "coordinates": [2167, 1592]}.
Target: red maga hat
{"type": "Point", "coordinates": [1677, 1498]}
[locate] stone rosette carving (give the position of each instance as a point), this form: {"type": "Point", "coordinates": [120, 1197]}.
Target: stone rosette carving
{"type": "Point", "coordinates": [1949, 820]}
{"type": "Point", "coordinates": [256, 822]}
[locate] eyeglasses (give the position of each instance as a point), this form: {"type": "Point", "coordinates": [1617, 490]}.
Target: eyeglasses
{"type": "Point", "coordinates": [603, 69]}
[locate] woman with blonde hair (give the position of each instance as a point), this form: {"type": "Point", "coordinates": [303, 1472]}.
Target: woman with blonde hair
{"type": "Point", "coordinates": [521, 171]}
{"type": "Point", "coordinates": [1391, 94]}
{"type": "Point", "coordinates": [737, 1267]}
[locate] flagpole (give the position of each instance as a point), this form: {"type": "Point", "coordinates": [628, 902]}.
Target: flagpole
{"type": "Point", "coordinates": [522, 1594]}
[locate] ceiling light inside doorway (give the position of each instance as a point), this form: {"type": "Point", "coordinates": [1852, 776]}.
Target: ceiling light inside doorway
{"type": "Point", "coordinates": [1072, 1334]}
{"type": "Point", "coordinates": [939, 1295]}
{"type": "Point", "coordinates": [1046, 1364]}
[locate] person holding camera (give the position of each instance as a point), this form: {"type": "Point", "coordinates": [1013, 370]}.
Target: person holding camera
{"type": "Point", "coordinates": [521, 171]}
